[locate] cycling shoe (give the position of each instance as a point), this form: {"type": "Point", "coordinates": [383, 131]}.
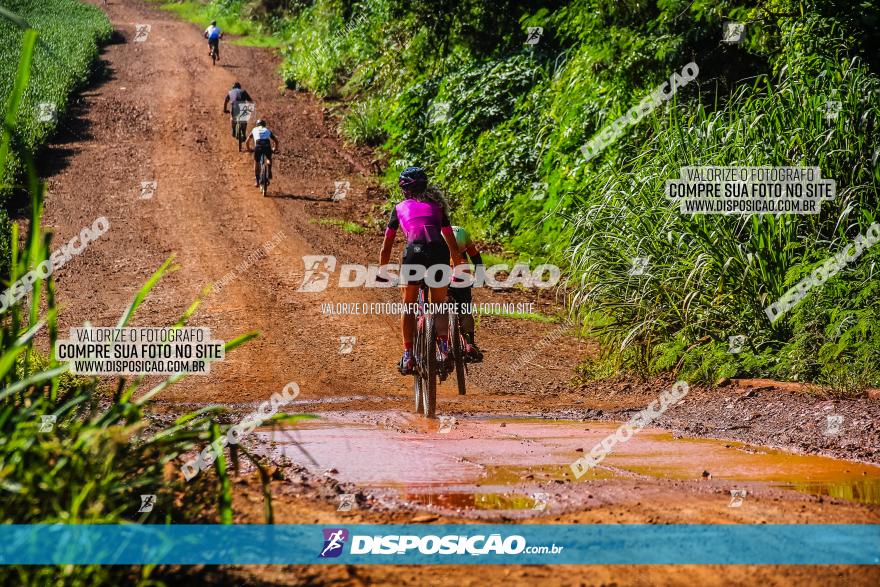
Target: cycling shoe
{"type": "Point", "coordinates": [407, 363]}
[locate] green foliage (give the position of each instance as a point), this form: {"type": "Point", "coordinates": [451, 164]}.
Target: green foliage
{"type": "Point", "coordinates": [70, 33]}
{"type": "Point", "coordinates": [500, 125]}
{"type": "Point", "coordinates": [362, 124]}
{"type": "Point", "coordinates": [234, 17]}
{"type": "Point", "coordinates": [712, 276]}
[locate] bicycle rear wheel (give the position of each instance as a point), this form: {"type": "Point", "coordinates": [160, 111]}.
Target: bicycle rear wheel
{"type": "Point", "coordinates": [264, 176]}
{"type": "Point", "coordinates": [239, 134]}
{"type": "Point", "coordinates": [457, 352]}
{"type": "Point", "coordinates": [429, 385]}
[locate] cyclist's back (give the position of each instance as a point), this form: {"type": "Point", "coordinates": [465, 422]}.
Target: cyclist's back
{"type": "Point", "coordinates": [237, 95]}
{"type": "Point", "coordinates": [213, 32]}
{"type": "Point", "coordinates": [262, 136]}
{"type": "Point", "coordinates": [420, 220]}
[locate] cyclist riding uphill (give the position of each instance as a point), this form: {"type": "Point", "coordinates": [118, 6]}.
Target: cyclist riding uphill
{"type": "Point", "coordinates": [429, 241]}
{"type": "Point", "coordinates": [260, 138]}
{"type": "Point", "coordinates": [230, 105]}
{"type": "Point", "coordinates": [213, 34]}
{"type": "Point", "coordinates": [463, 296]}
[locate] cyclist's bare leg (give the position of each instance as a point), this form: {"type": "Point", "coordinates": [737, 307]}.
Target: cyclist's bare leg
{"type": "Point", "coordinates": [438, 296]}
{"type": "Point", "coordinates": [467, 323]}
{"type": "Point", "coordinates": [408, 319]}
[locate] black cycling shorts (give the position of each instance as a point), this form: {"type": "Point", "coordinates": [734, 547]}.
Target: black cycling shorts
{"type": "Point", "coordinates": [262, 150]}
{"type": "Point", "coordinates": [461, 296]}
{"type": "Point", "coordinates": [425, 254]}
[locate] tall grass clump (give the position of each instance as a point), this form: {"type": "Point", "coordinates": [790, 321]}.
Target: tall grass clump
{"type": "Point", "coordinates": [362, 124]}
{"type": "Point", "coordinates": [712, 276]}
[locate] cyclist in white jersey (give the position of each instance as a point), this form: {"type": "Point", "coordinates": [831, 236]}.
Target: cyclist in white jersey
{"type": "Point", "coordinates": [263, 140]}
{"type": "Point", "coordinates": [213, 34]}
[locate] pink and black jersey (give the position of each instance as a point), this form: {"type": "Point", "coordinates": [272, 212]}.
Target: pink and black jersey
{"type": "Point", "coordinates": [421, 221]}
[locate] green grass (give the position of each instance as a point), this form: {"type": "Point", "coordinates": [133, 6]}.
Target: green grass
{"type": "Point", "coordinates": [490, 259]}
{"type": "Point", "coordinates": [362, 124]}
{"type": "Point", "coordinates": [228, 18]}
{"type": "Point", "coordinates": [346, 225]}
{"type": "Point", "coordinates": [534, 317]}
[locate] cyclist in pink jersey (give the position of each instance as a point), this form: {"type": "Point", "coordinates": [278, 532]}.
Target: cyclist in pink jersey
{"type": "Point", "coordinates": [430, 241]}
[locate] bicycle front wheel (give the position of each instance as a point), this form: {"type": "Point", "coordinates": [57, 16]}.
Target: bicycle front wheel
{"type": "Point", "coordinates": [417, 370]}
{"type": "Point", "coordinates": [429, 385]}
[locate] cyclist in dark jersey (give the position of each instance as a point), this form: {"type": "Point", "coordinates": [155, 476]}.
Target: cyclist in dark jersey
{"type": "Point", "coordinates": [429, 241]}
{"type": "Point", "coordinates": [230, 105]}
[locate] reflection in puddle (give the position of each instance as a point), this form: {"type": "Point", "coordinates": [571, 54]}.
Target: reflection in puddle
{"type": "Point", "coordinates": [862, 491]}
{"type": "Point", "coordinates": [475, 465]}
{"type": "Point", "coordinates": [513, 474]}
{"type": "Point", "coordinates": [480, 501]}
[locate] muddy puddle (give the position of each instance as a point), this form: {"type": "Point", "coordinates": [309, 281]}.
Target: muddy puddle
{"type": "Point", "coordinates": [512, 464]}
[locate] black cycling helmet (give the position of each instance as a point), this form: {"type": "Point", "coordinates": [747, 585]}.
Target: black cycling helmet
{"type": "Point", "coordinates": [413, 180]}
{"type": "Point", "coordinates": [260, 122]}
{"type": "Point", "coordinates": [236, 86]}
{"type": "Point", "coordinates": [213, 23]}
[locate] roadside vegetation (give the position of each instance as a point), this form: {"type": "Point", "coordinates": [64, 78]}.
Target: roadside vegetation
{"type": "Point", "coordinates": [500, 123]}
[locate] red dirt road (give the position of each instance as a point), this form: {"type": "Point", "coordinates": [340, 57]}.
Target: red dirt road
{"type": "Point", "coordinates": [156, 116]}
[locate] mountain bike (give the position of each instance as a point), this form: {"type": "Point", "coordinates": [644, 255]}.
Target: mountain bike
{"type": "Point", "coordinates": [215, 48]}
{"type": "Point", "coordinates": [427, 370]}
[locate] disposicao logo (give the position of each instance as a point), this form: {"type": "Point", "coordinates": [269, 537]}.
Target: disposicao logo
{"type": "Point", "coordinates": [334, 540]}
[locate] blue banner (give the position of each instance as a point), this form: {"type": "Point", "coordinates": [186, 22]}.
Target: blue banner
{"type": "Point", "coordinates": [587, 544]}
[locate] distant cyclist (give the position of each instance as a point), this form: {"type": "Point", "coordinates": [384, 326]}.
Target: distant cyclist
{"type": "Point", "coordinates": [263, 141]}
{"type": "Point", "coordinates": [429, 241]}
{"type": "Point", "coordinates": [213, 34]}
{"type": "Point", "coordinates": [463, 296]}
{"type": "Point", "coordinates": [230, 104]}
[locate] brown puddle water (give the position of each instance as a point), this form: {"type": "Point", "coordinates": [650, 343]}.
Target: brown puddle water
{"type": "Point", "coordinates": [486, 463]}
